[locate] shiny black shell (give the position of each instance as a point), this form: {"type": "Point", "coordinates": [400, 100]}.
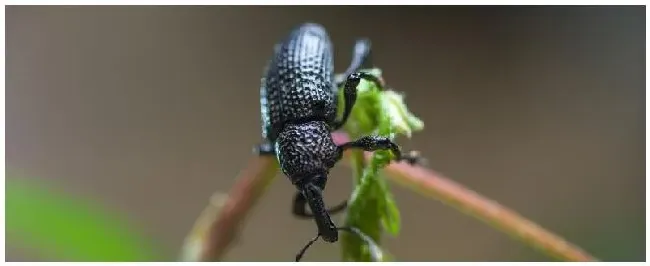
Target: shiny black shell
{"type": "Point", "coordinates": [298, 85]}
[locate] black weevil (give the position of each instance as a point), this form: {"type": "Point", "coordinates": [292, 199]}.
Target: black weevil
{"type": "Point", "coordinates": [299, 99]}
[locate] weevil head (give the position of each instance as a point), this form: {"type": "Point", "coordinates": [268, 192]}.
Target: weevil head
{"type": "Point", "coordinates": [306, 150]}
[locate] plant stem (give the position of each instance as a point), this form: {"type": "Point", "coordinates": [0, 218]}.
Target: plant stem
{"type": "Point", "coordinates": [220, 222]}
{"type": "Point", "coordinates": [216, 229]}
{"type": "Point", "coordinates": [436, 186]}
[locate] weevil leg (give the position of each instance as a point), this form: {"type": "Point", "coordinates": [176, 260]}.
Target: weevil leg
{"type": "Point", "coordinates": [360, 57]}
{"type": "Point", "coordinates": [373, 143]}
{"type": "Point", "coordinates": [350, 94]}
{"type": "Point", "coordinates": [300, 207]}
{"type": "Point", "coordinates": [264, 149]}
{"type": "Point", "coordinates": [414, 158]}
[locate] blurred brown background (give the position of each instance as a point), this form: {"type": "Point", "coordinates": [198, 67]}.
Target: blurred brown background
{"type": "Point", "coordinates": [151, 109]}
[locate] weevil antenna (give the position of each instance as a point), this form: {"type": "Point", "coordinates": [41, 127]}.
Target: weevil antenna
{"type": "Point", "coordinates": [375, 251]}
{"type": "Point", "coordinates": [304, 249]}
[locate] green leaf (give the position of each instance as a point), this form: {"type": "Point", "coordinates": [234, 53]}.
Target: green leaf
{"type": "Point", "coordinates": [372, 206]}
{"type": "Point", "coordinates": [362, 214]}
{"type": "Point", "coordinates": [62, 227]}
{"type": "Point", "coordinates": [391, 218]}
{"type": "Point", "coordinates": [401, 120]}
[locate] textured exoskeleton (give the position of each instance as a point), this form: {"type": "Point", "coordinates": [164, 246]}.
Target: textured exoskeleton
{"type": "Point", "coordinates": [299, 106]}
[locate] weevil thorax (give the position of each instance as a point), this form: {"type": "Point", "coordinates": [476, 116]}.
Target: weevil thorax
{"type": "Point", "coordinates": [305, 151]}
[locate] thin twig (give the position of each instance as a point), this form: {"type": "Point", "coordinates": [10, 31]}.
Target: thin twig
{"type": "Point", "coordinates": [220, 227]}
{"type": "Point", "coordinates": [436, 186]}
{"type": "Point", "coordinates": [221, 220]}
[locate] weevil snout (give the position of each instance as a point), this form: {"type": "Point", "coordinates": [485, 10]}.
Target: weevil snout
{"type": "Point", "coordinates": [330, 236]}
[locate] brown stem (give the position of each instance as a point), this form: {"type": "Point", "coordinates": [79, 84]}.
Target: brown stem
{"type": "Point", "coordinates": [215, 230]}
{"type": "Point", "coordinates": [436, 186]}
{"type": "Point", "coordinates": [219, 224]}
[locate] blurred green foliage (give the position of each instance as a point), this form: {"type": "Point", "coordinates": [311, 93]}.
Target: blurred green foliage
{"type": "Point", "coordinates": [60, 227]}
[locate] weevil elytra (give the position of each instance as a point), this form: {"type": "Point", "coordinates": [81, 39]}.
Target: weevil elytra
{"type": "Point", "coordinates": [298, 98]}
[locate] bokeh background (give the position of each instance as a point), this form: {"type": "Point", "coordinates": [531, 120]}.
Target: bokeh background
{"type": "Point", "coordinates": [146, 111]}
